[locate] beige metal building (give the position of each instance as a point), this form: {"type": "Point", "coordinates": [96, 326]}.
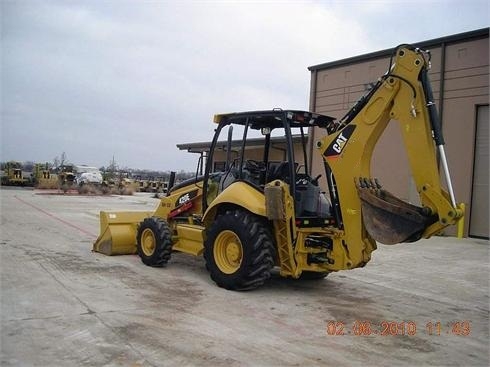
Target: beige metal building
{"type": "Point", "coordinates": [253, 150]}
{"type": "Point", "coordinates": [460, 80]}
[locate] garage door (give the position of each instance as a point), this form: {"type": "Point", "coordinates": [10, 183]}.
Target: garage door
{"type": "Point", "coordinates": [479, 217]}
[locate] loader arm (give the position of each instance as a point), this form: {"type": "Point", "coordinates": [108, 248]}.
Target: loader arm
{"type": "Point", "coordinates": [366, 211]}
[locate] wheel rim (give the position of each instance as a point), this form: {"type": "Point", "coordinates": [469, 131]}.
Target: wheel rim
{"type": "Point", "coordinates": [228, 252]}
{"type": "Point", "coordinates": [148, 242]}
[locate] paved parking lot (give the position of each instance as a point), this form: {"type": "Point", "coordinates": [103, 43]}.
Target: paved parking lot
{"type": "Point", "coordinates": [62, 305]}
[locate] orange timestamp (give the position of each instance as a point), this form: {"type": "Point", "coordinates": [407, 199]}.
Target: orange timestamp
{"type": "Point", "coordinates": [397, 328]}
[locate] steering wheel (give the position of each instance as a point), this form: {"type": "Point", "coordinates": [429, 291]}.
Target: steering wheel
{"type": "Point", "coordinates": [303, 179]}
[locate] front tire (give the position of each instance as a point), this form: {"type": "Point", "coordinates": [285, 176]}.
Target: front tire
{"type": "Point", "coordinates": [154, 242]}
{"type": "Point", "coordinates": [239, 251]}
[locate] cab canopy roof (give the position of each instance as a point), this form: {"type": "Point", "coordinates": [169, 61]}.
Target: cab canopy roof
{"type": "Point", "coordinates": [274, 119]}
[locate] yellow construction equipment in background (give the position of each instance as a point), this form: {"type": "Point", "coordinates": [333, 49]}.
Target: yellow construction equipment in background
{"type": "Point", "coordinates": [258, 214]}
{"type": "Point", "coordinates": [66, 177]}
{"type": "Point", "coordinates": [13, 175]}
{"type": "Point", "coordinates": [43, 177]}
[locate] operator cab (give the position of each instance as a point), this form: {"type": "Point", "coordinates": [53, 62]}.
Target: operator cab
{"type": "Point", "coordinates": [264, 146]}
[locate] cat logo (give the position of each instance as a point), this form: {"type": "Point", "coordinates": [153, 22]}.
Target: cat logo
{"type": "Point", "coordinates": [338, 145]}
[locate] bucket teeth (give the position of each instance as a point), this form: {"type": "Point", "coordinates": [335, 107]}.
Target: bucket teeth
{"type": "Point", "coordinates": [361, 183]}
{"type": "Point", "coordinates": [368, 183]}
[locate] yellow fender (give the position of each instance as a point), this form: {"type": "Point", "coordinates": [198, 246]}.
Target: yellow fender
{"type": "Point", "coordinates": [238, 194]}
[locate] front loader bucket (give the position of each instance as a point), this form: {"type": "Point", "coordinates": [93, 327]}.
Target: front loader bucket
{"type": "Point", "coordinates": [388, 219]}
{"type": "Point", "coordinates": [118, 232]}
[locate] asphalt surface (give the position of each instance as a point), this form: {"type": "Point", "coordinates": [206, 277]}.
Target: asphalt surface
{"type": "Point", "coordinates": [425, 303]}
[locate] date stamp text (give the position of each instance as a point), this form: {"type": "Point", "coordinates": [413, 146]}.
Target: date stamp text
{"type": "Point", "coordinates": [397, 328]}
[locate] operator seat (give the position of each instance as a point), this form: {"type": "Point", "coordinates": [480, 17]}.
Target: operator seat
{"type": "Point", "coordinates": [278, 171]}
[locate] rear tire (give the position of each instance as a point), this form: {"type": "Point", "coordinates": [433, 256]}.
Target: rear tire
{"type": "Point", "coordinates": [239, 251]}
{"type": "Point", "coordinates": [154, 242]}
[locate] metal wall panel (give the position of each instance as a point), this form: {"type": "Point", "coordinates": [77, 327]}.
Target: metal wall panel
{"type": "Point", "coordinates": [479, 218]}
{"type": "Point", "coordinates": [460, 81]}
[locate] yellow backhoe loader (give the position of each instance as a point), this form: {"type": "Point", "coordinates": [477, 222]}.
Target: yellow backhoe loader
{"type": "Point", "coordinates": [261, 213]}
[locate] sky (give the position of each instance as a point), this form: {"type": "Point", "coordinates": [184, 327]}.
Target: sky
{"type": "Point", "coordinates": [132, 79]}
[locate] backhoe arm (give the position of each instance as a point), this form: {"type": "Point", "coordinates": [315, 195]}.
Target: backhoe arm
{"type": "Point", "coordinates": [368, 212]}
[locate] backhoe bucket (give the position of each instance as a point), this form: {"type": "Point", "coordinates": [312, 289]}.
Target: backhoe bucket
{"type": "Point", "coordinates": [118, 232]}
{"type": "Point", "coordinates": [388, 219]}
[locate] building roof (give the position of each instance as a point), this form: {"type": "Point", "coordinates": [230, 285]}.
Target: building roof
{"type": "Point", "coordinates": [201, 147]}
{"type": "Point", "coordinates": [476, 34]}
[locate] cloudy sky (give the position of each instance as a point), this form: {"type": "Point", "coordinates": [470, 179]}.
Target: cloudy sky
{"type": "Point", "coordinates": [131, 79]}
